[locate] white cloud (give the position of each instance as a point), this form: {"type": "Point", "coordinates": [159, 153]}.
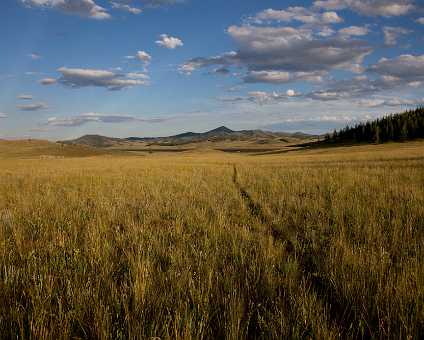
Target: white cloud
{"type": "Point", "coordinates": [291, 93]}
{"type": "Point", "coordinates": [169, 42]}
{"type": "Point", "coordinates": [270, 53]}
{"type": "Point", "coordinates": [126, 7]}
{"type": "Point", "coordinates": [192, 65]}
{"type": "Point", "coordinates": [391, 34]}
{"type": "Point", "coordinates": [144, 57]}
{"type": "Point", "coordinates": [385, 8]}
{"type": "Point", "coordinates": [32, 107]}
{"type": "Point", "coordinates": [300, 14]}
{"type": "Point", "coordinates": [93, 117]}
{"type": "Point", "coordinates": [405, 69]}
{"type": "Point", "coordinates": [421, 20]}
{"type": "Point", "coordinates": [397, 74]}
{"type": "Point", "coordinates": [34, 56]}
{"type": "Point", "coordinates": [3, 115]}
{"type": "Point", "coordinates": [48, 81]}
{"type": "Point", "coordinates": [326, 32]}
{"type": "Point", "coordinates": [354, 31]}
{"type": "Point", "coordinates": [281, 77]}
{"type": "Point", "coordinates": [294, 49]}
{"type": "Point", "coordinates": [262, 97]}
{"type": "Point", "coordinates": [391, 102]}
{"type": "Point", "coordinates": [138, 75]}
{"type": "Point", "coordinates": [84, 8]}
{"type": "Point", "coordinates": [77, 77]}
{"type": "Point", "coordinates": [24, 97]}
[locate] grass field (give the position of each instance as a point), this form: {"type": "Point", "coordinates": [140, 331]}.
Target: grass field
{"type": "Point", "coordinates": [319, 244]}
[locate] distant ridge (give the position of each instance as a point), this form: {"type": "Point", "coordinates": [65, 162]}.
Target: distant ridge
{"type": "Point", "coordinates": [94, 141]}
{"type": "Point", "coordinates": [221, 133]}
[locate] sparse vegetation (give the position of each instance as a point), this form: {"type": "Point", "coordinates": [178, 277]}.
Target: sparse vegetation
{"type": "Point", "coordinates": [325, 244]}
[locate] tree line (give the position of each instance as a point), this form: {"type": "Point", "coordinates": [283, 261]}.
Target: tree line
{"type": "Point", "coordinates": [396, 127]}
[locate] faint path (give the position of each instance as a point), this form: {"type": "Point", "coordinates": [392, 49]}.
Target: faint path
{"type": "Point", "coordinates": [341, 314]}
{"type": "Point", "coordinates": [256, 210]}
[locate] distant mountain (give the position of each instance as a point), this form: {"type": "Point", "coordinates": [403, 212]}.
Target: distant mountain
{"type": "Point", "coordinates": [221, 133]}
{"type": "Point", "coordinates": [189, 137]}
{"type": "Point", "coordinates": [94, 141]}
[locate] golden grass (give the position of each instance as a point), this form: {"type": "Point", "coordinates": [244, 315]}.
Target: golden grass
{"type": "Point", "coordinates": [311, 244]}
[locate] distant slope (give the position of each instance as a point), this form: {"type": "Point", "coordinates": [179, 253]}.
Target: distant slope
{"type": "Point", "coordinates": [93, 140]}
{"type": "Point", "coordinates": [31, 148]}
{"type": "Point", "coordinates": [404, 126]}
{"type": "Point", "coordinates": [221, 133]}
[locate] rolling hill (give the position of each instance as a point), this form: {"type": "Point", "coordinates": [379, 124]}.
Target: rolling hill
{"type": "Point", "coordinates": [219, 134]}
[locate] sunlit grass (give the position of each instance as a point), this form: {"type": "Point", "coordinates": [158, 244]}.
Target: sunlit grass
{"type": "Point", "coordinates": [167, 246]}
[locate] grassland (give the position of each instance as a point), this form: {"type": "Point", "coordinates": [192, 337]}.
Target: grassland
{"type": "Point", "coordinates": [323, 244]}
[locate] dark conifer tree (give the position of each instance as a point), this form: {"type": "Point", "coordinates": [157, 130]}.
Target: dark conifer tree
{"type": "Point", "coordinates": [397, 127]}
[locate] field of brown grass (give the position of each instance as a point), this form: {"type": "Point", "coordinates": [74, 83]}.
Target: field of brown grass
{"type": "Point", "coordinates": [319, 244]}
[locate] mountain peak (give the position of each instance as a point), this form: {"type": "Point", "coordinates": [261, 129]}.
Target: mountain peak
{"type": "Point", "coordinates": [221, 129]}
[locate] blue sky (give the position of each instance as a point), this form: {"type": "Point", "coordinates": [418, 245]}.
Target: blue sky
{"type": "Point", "coordinates": [158, 67]}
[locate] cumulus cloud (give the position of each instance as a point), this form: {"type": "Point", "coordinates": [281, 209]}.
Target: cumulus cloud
{"type": "Point", "coordinates": [421, 20]}
{"type": "Point", "coordinates": [391, 34]}
{"type": "Point", "coordinates": [391, 74]}
{"type": "Point", "coordinates": [291, 93]}
{"type": "Point", "coordinates": [24, 97]}
{"type": "Point", "coordinates": [405, 69]}
{"type": "Point", "coordinates": [144, 57]}
{"type": "Point", "coordinates": [32, 107]}
{"type": "Point", "coordinates": [169, 42]}
{"type": "Point", "coordinates": [125, 7]}
{"type": "Point", "coordinates": [385, 8]}
{"type": "Point", "coordinates": [78, 77]}
{"type": "Point", "coordinates": [294, 49]}
{"type": "Point", "coordinates": [83, 8]}
{"type": "Point", "coordinates": [353, 31]}
{"type": "Point", "coordinates": [301, 14]}
{"type": "Point", "coordinates": [277, 51]}
{"type": "Point", "coordinates": [357, 87]}
{"type": "Point", "coordinates": [93, 117]}
{"type": "Point", "coordinates": [325, 32]}
{"type": "Point", "coordinates": [226, 59]}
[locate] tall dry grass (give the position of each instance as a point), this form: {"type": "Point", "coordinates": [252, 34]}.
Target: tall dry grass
{"type": "Point", "coordinates": [320, 245]}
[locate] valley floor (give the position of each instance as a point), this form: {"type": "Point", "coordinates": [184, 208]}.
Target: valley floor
{"type": "Point", "coordinates": [323, 243]}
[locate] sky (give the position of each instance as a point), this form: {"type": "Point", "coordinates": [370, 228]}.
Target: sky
{"type": "Point", "coordinates": [159, 67]}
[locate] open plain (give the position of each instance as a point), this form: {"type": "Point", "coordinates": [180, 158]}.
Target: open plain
{"type": "Point", "coordinates": [324, 243]}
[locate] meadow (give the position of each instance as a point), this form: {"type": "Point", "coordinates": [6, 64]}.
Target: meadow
{"type": "Point", "coordinates": [318, 244]}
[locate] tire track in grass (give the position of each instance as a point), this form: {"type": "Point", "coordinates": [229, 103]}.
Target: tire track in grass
{"type": "Point", "coordinates": [341, 314]}
{"type": "Point", "coordinates": [256, 210]}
